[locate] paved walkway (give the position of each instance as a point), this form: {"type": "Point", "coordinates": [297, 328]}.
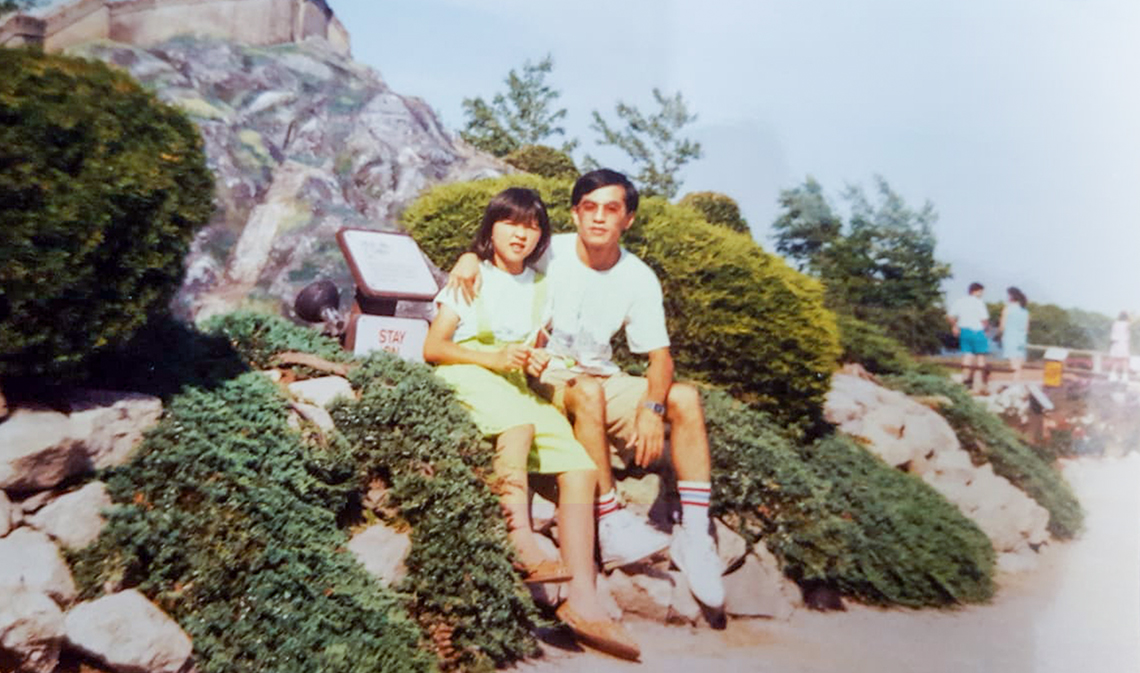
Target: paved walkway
{"type": "Point", "coordinates": [1078, 611]}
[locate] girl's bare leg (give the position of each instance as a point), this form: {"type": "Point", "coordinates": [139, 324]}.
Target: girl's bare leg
{"type": "Point", "coordinates": [576, 538]}
{"type": "Point", "coordinates": [511, 450]}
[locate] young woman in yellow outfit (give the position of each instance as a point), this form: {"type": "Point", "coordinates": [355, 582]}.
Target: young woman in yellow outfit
{"type": "Point", "coordinates": [484, 351]}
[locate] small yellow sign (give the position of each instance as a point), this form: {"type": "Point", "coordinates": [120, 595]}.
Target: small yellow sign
{"type": "Point", "coordinates": [1053, 371]}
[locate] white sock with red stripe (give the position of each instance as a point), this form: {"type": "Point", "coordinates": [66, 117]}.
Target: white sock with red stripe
{"type": "Point", "coordinates": [606, 504]}
{"type": "Point", "coordinates": [694, 503]}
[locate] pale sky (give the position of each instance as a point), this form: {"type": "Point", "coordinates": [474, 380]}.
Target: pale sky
{"type": "Point", "coordinates": [1018, 119]}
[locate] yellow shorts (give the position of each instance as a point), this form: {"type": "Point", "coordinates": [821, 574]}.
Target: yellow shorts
{"type": "Point", "coordinates": [499, 402]}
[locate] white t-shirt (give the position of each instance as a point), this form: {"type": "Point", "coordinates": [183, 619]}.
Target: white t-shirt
{"type": "Point", "coordinates": [970, 312]}
{"type": "Point", "coordinates": [508, 304]}
{"type": "Point", "coordinates": [589, 307]}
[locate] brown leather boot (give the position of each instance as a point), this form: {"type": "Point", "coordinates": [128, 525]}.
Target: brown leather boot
{"type": "Point", "coordinates": [604, 635]}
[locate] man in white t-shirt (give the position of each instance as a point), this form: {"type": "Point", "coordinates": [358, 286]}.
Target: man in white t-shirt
{"type": "Point", "coordinates": [968, 319]}
{"type": "Point", "coordinates": [598, 288]}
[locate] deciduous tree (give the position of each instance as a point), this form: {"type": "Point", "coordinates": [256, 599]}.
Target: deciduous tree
{"type": "Point", "coordinates": [524, 115]}
{"type": "Point", "coordinates": [879, 266]}
{"type": "Point", "coordinates": [653, 142]}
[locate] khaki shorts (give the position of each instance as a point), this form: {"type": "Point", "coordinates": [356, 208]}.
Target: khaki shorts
{"type": "Point", "coordinates": [624, 394]}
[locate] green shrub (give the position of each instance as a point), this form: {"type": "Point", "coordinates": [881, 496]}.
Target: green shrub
{"type": "Point", "coordinates": [737, 316]}
{"type": "Point", "coordinates": [834, 513]}
{"type": "Point", "coordinates": [227, 520]}
{"type": "Point", "coordinates": [408, 429]}
{"type": "Point", "coordinates": [256, 509]}
{"type": "Point", "coordinates": [543, 161]}
{"type": "Point", "coordinates": [989, 440]}
{"type": "Point", "coordinates": [870, 346]}
{"type": "Point", "coordinates": [101, 188]}
{"type": "Point", "coordinates": [717, 208]}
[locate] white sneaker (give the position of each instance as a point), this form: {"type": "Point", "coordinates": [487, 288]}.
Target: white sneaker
{"type": "Point", "coordinates": [624, 539]}
{"type": "Point", "coordinates": [694, 554]}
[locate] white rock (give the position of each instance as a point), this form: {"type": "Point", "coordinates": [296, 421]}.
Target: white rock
{"type": "Point", "coordinates": [683, 606]}
{"type": "Point", "coordinates": [74, 519]}
{"type": "Point", "coordinates": [318, 416]}
{"type": "Point", "coordinates": [642, 490]}
{"type": "Point", "coordinates": [759, 589]}
{"type": "Point", "coordinates": [730, 546]}
{"type": "Point", "coordinates": [29, 559]}
{"type": "Point", "coordinates": [34, 503]}
{"type": "Point", "coordinates": [322, 391]}
{"type": "Point", "coordinates": [6, 509]}
{"type": "Point", "coordinates": [382, 551]}
{"type": "Point", "coordinates": [111, 423]}
{"type": "Point", "coordinates": [128, 633]}
{"type": "Point", "coordinates": [648, 593]}
{"type": "Point", "coordinates": [38, 451]}
{"type": "Point", "coordinates": [908, 434]}
{"type": "Point", "coordinates": [31, 631]}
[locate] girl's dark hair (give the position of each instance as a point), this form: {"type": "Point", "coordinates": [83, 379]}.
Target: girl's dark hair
{"type": "Point", "coordinates": [514, 204]}
{"type": "Point", "coordinates": [1017, 295]}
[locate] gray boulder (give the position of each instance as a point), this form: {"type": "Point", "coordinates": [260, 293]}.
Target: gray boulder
{"type": "Point", "coordinates": [74, 519]}
{"type": "Point", "coordinates": [759, 589]}
{"type": "Point", "coordinates": [30, 560]}
{"type": "Point", "coordinates": [31, 631]}
{"type": "Point", "coordinates": [6, 514]}
{"type": "Point", "coordinates": [40, 448]}
{"type": "Point", "coordinates": [382, 551]}
{"type": "Point", "coordinates": [292, 168]}
{"type": "Point", "coordinates": [38, 451]}
{"type": "Point", "coordinates": [128, 633]}
{"type": "Point", "coordinates": [913, 437]}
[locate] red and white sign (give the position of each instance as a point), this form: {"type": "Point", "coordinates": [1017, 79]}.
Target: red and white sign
{"type": "Point", "coordinates": [401, 336]}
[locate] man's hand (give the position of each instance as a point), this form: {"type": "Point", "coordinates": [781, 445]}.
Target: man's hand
{"type": "Point", "coordinates": [537, 362]}
{"type": "Point", "coordinates": [649, 439]}
{"type": "Point", "coordinates": [512, 358]}
{"type": "Point", "coordinates": [466, 277]}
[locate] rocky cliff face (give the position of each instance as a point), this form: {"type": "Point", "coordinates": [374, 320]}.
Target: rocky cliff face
{"type": "Point", "coordinates": [303, 141]}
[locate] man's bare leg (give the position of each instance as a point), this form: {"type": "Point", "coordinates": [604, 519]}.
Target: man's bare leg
{"type": "Point", "coordinates": [689, 439]}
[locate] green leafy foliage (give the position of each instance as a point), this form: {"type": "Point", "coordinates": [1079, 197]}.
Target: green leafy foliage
{"type": "Point", "coordinates": [652, 142]}
{"type": "Point", "coordinates": [737, 316]}
{"type": "Point", "coordinates": [408, 429]}
{"type": "Point", "coordinates": [7, 6]}
{"type": "Point", "coordinates": [227, 520]}
{"type": "Point", "coordinates": [544, 161]}
{"type": "Point", "coordinates": [521, 116]}
{"type": "Point", "coordinates": [869, 345]}
{"type": "Point", "coordinates": [833, 513]}
{"type": "Point", "coordinates": [717, 208]}
{"type": "Point", "coordinates": [989, 440]}
{"type": "Point", "coordinates": [879, 268]}
{"type": "Point", "coordinates": [101, 189]}
{"type": "Point", "coordinates": [228, 514]}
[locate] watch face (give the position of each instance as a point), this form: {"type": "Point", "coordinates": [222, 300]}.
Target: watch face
{"type": "Point", "coordinates": [656, 408]}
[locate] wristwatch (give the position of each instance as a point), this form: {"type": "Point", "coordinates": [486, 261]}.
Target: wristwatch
{"type": "Point", "coordinates": [655, 407]}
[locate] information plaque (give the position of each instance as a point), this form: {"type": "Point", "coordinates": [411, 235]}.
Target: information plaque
{"type": "Point", "coordinates": [386, 264]}
{"type": "Point", "coordinates": [387, 267]}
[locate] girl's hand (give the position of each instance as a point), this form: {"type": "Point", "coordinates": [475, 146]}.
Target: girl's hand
{"type": "Point", "coordinates": [537, 362]}
{"type": "Point", "coordinates": [512, 358]}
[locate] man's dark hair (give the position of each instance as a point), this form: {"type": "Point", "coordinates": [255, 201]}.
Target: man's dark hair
{"type": "Point", "coordinates": [974, 287]}
{"type": "Point", "coordinates": [604, 177]}
{"type": "Point", "coordinates": [514, 204]}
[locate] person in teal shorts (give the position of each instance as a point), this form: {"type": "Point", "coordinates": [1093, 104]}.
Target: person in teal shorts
{"type": "Point", "coordinates": [484, 351]}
